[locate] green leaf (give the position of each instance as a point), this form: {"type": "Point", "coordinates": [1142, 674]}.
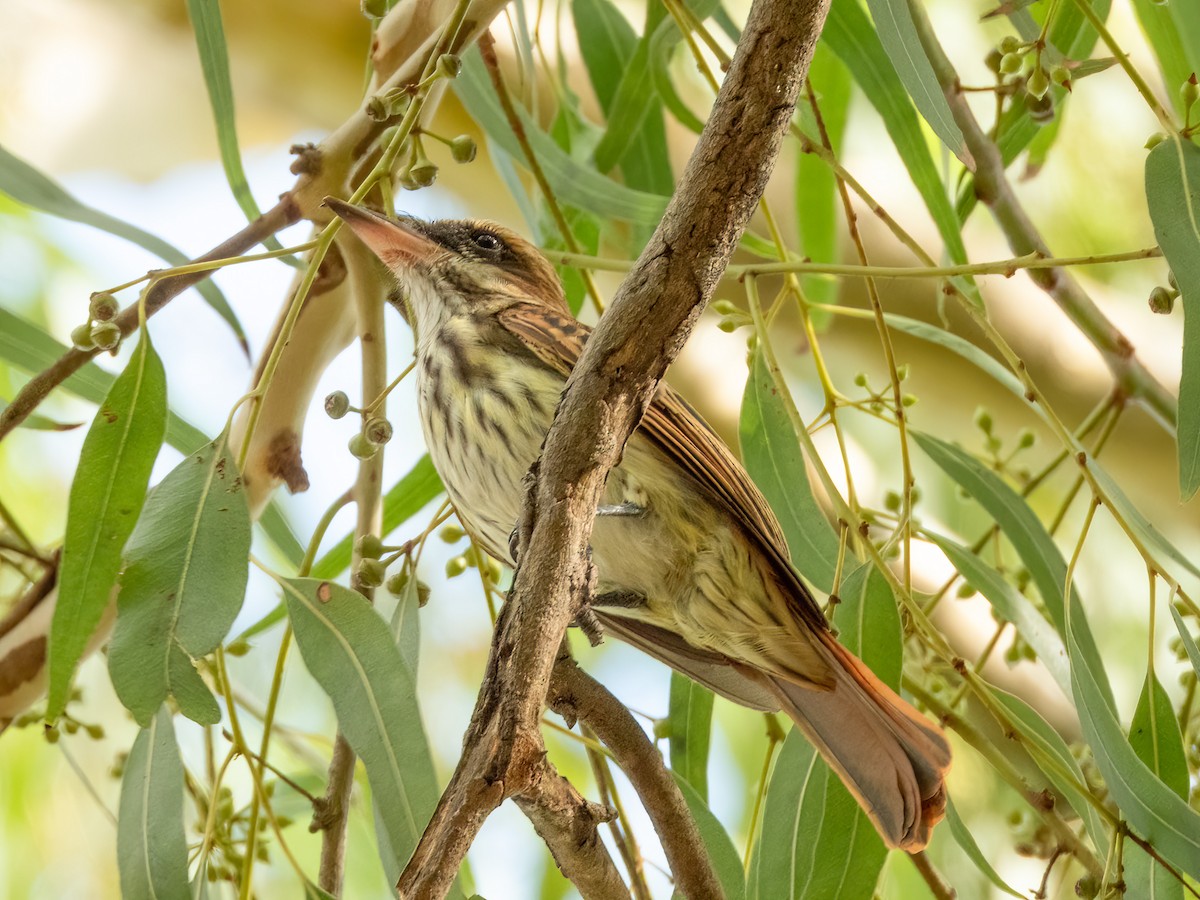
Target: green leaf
{"type": "Point", "coordinates": [726, 862]}
{"type": "Point", "coordinates": [774, 460]}
{"type": "Point", "coordinates": [1152, 809]}
{"type": "Point", "coordinates": [1012, 606]}
{"type": "Point", "coordinates": [816, 840]}
{"type": "Point", "coordinates": [184, 579]}
{"type": "Point", "coordinates": [1189, 642]}
{"type": "Point", "coordinates": [152, 853]}
{"type": "Point", "coordinates": [27, 185]}
{"type": "Point", "coordinates": [1173, 194]}
{"type": "Point", "coordinates": [349, 650]}
{"type": "Point", "coordinates": [1038, 734]}
{"type": "Point", "coordinates": [894, 21]}
{"type": "Point", "coordinates": [571, 181]}
{"type": "Point", "coordinates": [849, 33]}
{"type": "Point", "coordinates": [106, 496]}
{"type": "Point", "coordinates": [817, 203]}
{"type": "Point", "coordinates": [34, 422]}
{"type": "Point", "coordinates": [1187, 23]}
{"type": "Point", "coordinates": [1155, 738]}
{"type": "Point", "coordinates": [690, 716]}
{"type": "Point", "coordinates": [965, 840]}
{"type": "Point", "coordinates": [606, 42]}
{"type": "Point", "coordinates": [28, 347]}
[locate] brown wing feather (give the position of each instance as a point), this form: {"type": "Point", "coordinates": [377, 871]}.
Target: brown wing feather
{"type": "Point", "coordinates": [677, 429]}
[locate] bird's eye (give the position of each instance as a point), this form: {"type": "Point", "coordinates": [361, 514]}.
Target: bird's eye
{"type": "Point", "coordinates": [486, 241]}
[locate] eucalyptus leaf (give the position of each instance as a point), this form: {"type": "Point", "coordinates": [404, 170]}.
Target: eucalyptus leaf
{"type": "Point", "coordinates": [152, 855]}
{"type": "Point", "coordinates": [1189, 642]}
{"type": "Point", "coordinates": [963, 837]}
{"type": "Point", "coordinates": [721, 851]}
{"type": "Point", "coordinates": [1173, 194]}
{"type": "Point", "coordinates": [349, 650]}
{"type": "Point", "coordinates": [689, 715]}
{"type": "Point", "coordinates": [185, 572]}
{"type": "Point", "coordinates": [27, 185]}
{"type": "Point", "coordinates": [106, 497]}
{"type": "Point", "coordinates": [773, 458]}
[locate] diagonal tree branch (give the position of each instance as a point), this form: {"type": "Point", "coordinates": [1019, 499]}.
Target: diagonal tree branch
{"type": "Point", "coordinates": [644, 329]}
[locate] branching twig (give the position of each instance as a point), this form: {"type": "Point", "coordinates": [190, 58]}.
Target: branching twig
{"type": "Point", "coordinates": [645, 327]}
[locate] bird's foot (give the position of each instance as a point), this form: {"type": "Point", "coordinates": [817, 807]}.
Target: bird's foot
{"type": "Point", "coordinates": [620, 509]}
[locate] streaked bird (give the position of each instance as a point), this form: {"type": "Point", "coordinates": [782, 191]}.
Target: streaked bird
{"type": "Point", "coordinates": [691, 563]}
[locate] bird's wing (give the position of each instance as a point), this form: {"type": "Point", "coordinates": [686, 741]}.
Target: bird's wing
{"type": "Point", "coordinates": [679, 432]}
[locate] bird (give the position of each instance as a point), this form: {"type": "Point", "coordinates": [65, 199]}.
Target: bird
{"type": "Point", "coordinates": [691, 564]}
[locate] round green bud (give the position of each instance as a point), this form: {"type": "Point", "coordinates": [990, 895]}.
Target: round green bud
{"type": "Point", "coordinates": [456, 566]}
{"type": "Point", "coordinates": [371, 572]}
{"type": "Point", "coordinates": [449, 65]}
{"type": "Point", "coordinates": [909, 399]}
{"type": "Point", "coordinates": [237, 648]}
{"type": "Point", "coordinates": [377, 109]}
{"type": "Point", "coordinates": [892, 501]}
{"type": "Point", "coordinates": [964, 591]}
{"type": "Point", "coordinates": [494, 571]}
{"type": "Point", "coordinates": [724, 308]}
{"type": "Point", "coordinates": [662, 729]}
{"type": "Point", "coordinates": [463, 149]}
{"type": "Point", "coordinates": [861, 379]}
{"type": "Point", "coordinates": [70, 726]}
{"type": "Point", "coordinates": [727, 325]}
{"type": "Point", "coordinates": [423, 173]}
{"type": "Point", "coordinates": [337, 404]}
{"type": "Point", "coordinates": [992, 60]}
{"type": "Point", "coordinates": [752, 341]}
{"type": "Point", "coordinates": [1026, 438]}
{"type": "Point", "coordinates": [397, 583]}
{"type": "Point", "coordinates": [1161, 301]}
{"type": "Point", "coordinates": [1009, 44]}
{"type": "Point", "coordinates": [451, 534]}
{"type": "Point", "coordinates": [1061, 76]}
{"type": "Point", "coordinates": [1189, 91]}
{"type": "Point", "coordinates": [1154, 140]}
{"type": "Point", "coordinates": [406, 181]}
{"type": "Point", "coordinates": [378, 431]}
{"type": "Point", "coordinates": [95, 732]}
{"type": "Point", "coordinates": [374, 9]}
{"type": "Point", "coordinates": [369, 546]}
{"type": "Point", "coordinates": [81, 337]}
{"type": "Point", "coordinates": [52, 735]}
{"type": "Point", "coordinates": [103, 306]}
{"type": "Point", "coordinates": [422, 593]}
{"type": "Point", "coordinates": [1038, 82]}
{"type": "Point", "coordinates": [1041, 109]}
{"type": "Point", "coordinates": [902, 372]}
{"type": "Point", "coordinates": [106, 335]}
{"type": "Point", "coordinates": [1010, 63]}
{"type": "Point", "coordinates": [983, 420]}
{"type": "Point", "coordinates": [360, 447]}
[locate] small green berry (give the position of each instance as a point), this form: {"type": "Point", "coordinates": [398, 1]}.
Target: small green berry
{"type": "Point", "coordinates": [103, 306]}
{"type": "Point", "coordinates": [1010, 63]}
{"type": "Point", "coordinates": [369, 546]}
{"type": "Point", "coordinates": [983, 420]}
{"type": "Point", "coordinates": [237, 648]}
{"type": "Point", "coordinates": [992, 60]}
{"type": "Point", "coordinates": [724, 308]}
{"type": "Point", "coordinates": [378, 431]}
{"type": "Point", "coordinates": [964, 591]}
{"type": "Point", "coordinates": [908, 400]}
{"type": "Point", "coordinates": [1161, 301]}
{"type": "Point", "coordinates": [727, 325]}
{"type": "Point", "coordinates": [1061, 76]}
{"type": "Point", "coordinates": [422, 593]}
{"type": "Point", "coordinates": [337, 404]}
{"type": "Point", "coordinates": [81, 337]}
{"type": "Point", "coordinates": [451, 534]}
{"type": "Point", "coordinates": [902, 372]}
{"type": "Point", "coordinates": [1026, 438]}
{"type": "Point", "coordinates": [374, 9]}
{"type": "Point", "coordinates": [371, 572]}
{"type": "Point", "coordinates": [397, 583]}
{"type": "Point", "coordinates": [861, 379]}
{"type": "Point", "coordinates": [1189, 91]}
{"type": "Point", "coordinates": [891, 501]}
{"type": "Point", "coordinates": [1154, 140]}
{"type": "Point", "coordinates": [1038, 82]}
{"type": "Point", "coordinates": [423, 172]}
{"type": "Point", "coordinates": [1009, 44]}
{"type": "Point", "coordinates": [361, 448]}
{"type": "Point", "coordinates": [52, 735]}
{"type": "Point", "coordinates": [95, 732]}
{"type": "Point", "coordinates": [449, 65]}
{"type": "Point", "coordinates": [662, 729]}
{"type": "Point", "coordinates": [106, 335]}
{"type": "Point", "coordinates": [455, 566]}
{"type": "Point", "coordinates": [463, 149]}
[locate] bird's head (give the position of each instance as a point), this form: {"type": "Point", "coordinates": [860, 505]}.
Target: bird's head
{"type": "Point", "coordinates": [455, 266]}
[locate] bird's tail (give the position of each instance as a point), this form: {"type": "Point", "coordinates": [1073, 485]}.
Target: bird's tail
{"type": "Point", "coordinates": [891, 758]}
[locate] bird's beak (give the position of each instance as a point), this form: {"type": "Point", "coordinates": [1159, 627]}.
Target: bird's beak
{"type": "Point", "coordinates": [398, 245]}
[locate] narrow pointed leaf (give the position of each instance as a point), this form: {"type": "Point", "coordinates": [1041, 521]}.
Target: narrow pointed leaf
{"type": "Point", "coordinates": [690, 717]}
{"type": "Point", "coordinates": [106, 497]}
{"type": "Point", "coordinates": [726, 862]}
{"type": "Point", "coordinates": [1173, 194]}
{"type": "Point", "coordinates": [965, 840]}
{"type": "Point", "coordinates": [1189, 642]}
{"type": "Point", "coordinates": [27, 185]}
{"type": "Point", "coordinates": [349, 650]}
{"type": "Point", "coordinates": [184, 579]}
{"type": "Point", "coordinates": [894, 21]}
{"type": "Point", "coordinates": [1152, 809]}
{"type": "Point", "coordinates": [776, 463]}
{"type": "Point", "coordinates": [152, 853]}
{"type": "Point", "coordinates": [1154, 735]}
